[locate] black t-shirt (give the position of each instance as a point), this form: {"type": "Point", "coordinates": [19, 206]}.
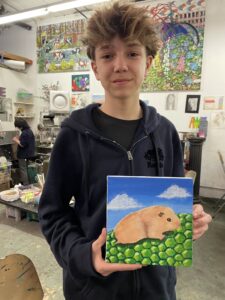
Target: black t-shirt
{"type": "Point", "coordinates": [121, 131]}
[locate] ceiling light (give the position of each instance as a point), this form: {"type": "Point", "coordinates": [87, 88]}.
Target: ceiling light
{"type": "Point", "coordinates": [72, 4]}
{"type": "Point", "coordinates": [24, 15]}
{"type": "Point", "coordinates": [46, 10]}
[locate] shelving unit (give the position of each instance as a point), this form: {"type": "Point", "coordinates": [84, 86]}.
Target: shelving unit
{"type": "Point", "coordinates": [24, 105]}
{"type": "Point", "coordinates": [6, 56]}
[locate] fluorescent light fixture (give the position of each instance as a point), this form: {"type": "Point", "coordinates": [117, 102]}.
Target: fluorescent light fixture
{"type": "Point", "coordinates": [73, 4]}
{"type": "Point", "coordinates": [46, 10]}
{"type": "Point", "coordinates": [24, 15]}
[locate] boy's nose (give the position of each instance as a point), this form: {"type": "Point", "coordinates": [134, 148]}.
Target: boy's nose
{"type": "Point", "coordinates": [120, 65]}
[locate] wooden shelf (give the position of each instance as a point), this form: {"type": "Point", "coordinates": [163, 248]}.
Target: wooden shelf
{"type": "Point", "coordinates": [8, 55]}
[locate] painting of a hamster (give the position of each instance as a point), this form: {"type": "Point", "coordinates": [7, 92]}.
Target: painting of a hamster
{"type": "Point", "coordinates": [150, 222]}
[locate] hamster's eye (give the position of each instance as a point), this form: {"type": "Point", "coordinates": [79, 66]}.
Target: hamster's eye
{"type": "Point", "coordinates": [161, 214]}
{"type": "Point", "coordinates": [169, 220]}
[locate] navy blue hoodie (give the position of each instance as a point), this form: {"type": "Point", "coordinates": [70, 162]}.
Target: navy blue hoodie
{"type": "Point", "coordinates": [80, 162]}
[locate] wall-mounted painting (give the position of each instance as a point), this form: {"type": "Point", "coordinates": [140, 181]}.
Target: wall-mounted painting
{"type": "Point", "coordinates": [178, 65]}
{"type": "Point", "coordinates": [192, 103]}
{"type": "Point", "coordinates": [213, 102]}
{"type": "Point", "coordinates": [81, 83]}
{"type": "Point", "coordinates": [171, 102]}
{"type": "Point", "coordinates": [79, 100]}
{"type": "Point", "coordinates": [59, 48]}
{"type": "Point", "coordinates": [149, 220]}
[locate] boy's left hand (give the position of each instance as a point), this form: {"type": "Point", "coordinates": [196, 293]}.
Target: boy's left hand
{"type": "Point", "coordinates": [200, 221]}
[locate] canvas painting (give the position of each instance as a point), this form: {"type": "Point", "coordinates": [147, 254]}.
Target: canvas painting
{"type": "Point", "coordinates": [178, 65]}
{"type": "Point", "coordinates": [81, 83]}
{"type": "Point", "coordinates": [59, 47]}
{"type": "Point", "coordinates": [213, 103]}
{"type": "Point", "coordinates": [80, 100]}
{"type": "Point", "coordinates": [149, 220]}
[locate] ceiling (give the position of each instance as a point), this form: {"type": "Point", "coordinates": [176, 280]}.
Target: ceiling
{"type": "Point", "coordinates": [14, 6]}
{"type": "Point", "coordinates": [8, 7]}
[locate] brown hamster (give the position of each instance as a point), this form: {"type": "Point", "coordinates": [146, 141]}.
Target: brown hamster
{"type": "Point", "coordinates": [150, 222]}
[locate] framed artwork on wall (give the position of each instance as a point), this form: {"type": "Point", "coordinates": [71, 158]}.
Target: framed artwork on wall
{"type": "Point", "coordinates": [192, 103]}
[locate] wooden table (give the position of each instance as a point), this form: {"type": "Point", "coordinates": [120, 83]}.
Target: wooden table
{"type": "Point", "coordinates": [20, 206]}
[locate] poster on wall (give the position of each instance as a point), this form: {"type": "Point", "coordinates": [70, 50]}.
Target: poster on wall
{"type": "Point", "coordinates": [59, 48]}
{"type": "Point", "coordinates": [81, 83]}
{"type": "Point", "coordinates": [171, 101]}
{"type": "Point", "coordinates": [177, 67]}
{"type": "Point", "coordinates": [218, 120]}
{"type": "Point", "coordinates": [213, 103]}
{"type": "Point", "coordinates": [98, 98]}
{"type": "Point", "coordinates": [80, 100]}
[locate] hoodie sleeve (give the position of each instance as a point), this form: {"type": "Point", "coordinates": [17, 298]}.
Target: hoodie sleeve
{"type": "Point", "coordinates": [178, 162]}
{"type": "Point", "coordinates": [59, 222]}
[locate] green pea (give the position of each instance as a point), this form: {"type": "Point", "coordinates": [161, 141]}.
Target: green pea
{"type": "Point", "coordinates": [113, 251]}
{"type": "Point", "coordinates": [113, 259]}
{"type": "Point", "coordinates": [170, 252]}
{"type": "Point", "coordinates": [146, 253]}
{"type": "Point", "coordinates": [146, 261]}
{"type": "Point", "coordinates": [146, 244]}
{"type": "Point", "coordinates": [129, 252]}
{"type": "Point", "coordinates": [187, 254]}
{"type": "Point", "coordinates": [121, 256]}
{"type": "Point", "coordinates": [179, 248]}
{"type": "Point", "coordinates": [130, 261]}
{"type": "Point", "coordinates": [188, 234]}
{"type": "Point", "coordinates": [170, 261]}
{"type": "Point", "coordinates": [170, 242]}
{"type": "Point", "coordinates": [187, 262]}
{"type": "Point", "coordinates": [180, 238]}
{"type": "Point", "coordinates": [188, 244]}
{"type": "Point", "coordinates": [154, 258]}
{"type": "Point", "coordinates": [138, 257]}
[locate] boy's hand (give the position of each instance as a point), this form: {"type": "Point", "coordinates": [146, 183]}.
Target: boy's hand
{"type": "Point", "coordinates": [200, 221]}
{"type": "Point", "coordinates": [99, 263]}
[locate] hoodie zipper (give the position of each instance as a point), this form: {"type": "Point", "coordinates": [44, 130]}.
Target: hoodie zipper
{"type": "Point", "coordinates": [136, 286]}
{"type": "Point", "coordinates": [129, 152]}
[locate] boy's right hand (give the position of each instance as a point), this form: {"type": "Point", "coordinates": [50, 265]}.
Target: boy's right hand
{"type": "Point", "coordinates": [99, 263]}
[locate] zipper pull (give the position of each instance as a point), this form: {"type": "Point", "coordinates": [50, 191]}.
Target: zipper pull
{"type": "Point", "coordinates": [129, 154]}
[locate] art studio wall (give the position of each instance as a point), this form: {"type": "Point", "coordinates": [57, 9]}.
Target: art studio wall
{"type": "Point", "coordinates": [21, 42]}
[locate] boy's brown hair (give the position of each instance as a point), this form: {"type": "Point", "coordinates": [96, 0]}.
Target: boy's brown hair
{"type": "Point", "coordinates": [126, 20]}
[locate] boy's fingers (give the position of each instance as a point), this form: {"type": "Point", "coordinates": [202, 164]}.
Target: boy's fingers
{"type": "Point", "coordinates": [197, 210]}
{"type": "Point", "coordinates": [100, 240]}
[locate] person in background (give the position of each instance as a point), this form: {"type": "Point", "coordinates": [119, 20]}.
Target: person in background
{"type": "Point", "coordinates": [25, 147]}
{"type": "Point", "coordinates": [122, 136]}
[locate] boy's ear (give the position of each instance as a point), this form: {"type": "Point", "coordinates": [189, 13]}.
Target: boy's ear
{"type": "Point", "coordinates": [94, 68]}
{"type": "Point", "coordinates": [149, 61]}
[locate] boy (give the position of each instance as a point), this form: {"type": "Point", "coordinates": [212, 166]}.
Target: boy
{"type": "Point", "coordinates": [120, 137]}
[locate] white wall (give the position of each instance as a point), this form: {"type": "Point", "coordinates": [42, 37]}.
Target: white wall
{"type": "Point", "coordinates": [22, 42]}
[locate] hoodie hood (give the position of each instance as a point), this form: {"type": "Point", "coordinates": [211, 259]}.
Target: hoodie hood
{"type": "Point", "coordinates": [81, 120]}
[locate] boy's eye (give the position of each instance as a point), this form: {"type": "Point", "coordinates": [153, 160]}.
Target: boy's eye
{"type": "Point", "coordinates": [107, 56]}
{"type": "Point", "coordinates": [133, 54]}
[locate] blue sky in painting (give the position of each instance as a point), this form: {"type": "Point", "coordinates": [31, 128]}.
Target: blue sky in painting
{"type": "Point", "coordinates": [127, 194]}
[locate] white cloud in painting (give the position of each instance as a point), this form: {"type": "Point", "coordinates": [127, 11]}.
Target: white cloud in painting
{"type": "Point", "coordinates": [123, 201]}
{"type": "Point", "coordinates": [174, 191]}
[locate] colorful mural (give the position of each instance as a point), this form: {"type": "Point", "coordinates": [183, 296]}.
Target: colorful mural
{"type": "Point", "coordinates": [59, 48]}
{"type": "Point", "coordinates": [178, 65]}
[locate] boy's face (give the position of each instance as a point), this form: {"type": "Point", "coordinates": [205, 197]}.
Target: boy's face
{"type": "Point", "coordinates": [121, 67]}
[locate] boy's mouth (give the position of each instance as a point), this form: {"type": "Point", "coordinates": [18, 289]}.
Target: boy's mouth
{"type": "Point", "coordinates": [121, 81]}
